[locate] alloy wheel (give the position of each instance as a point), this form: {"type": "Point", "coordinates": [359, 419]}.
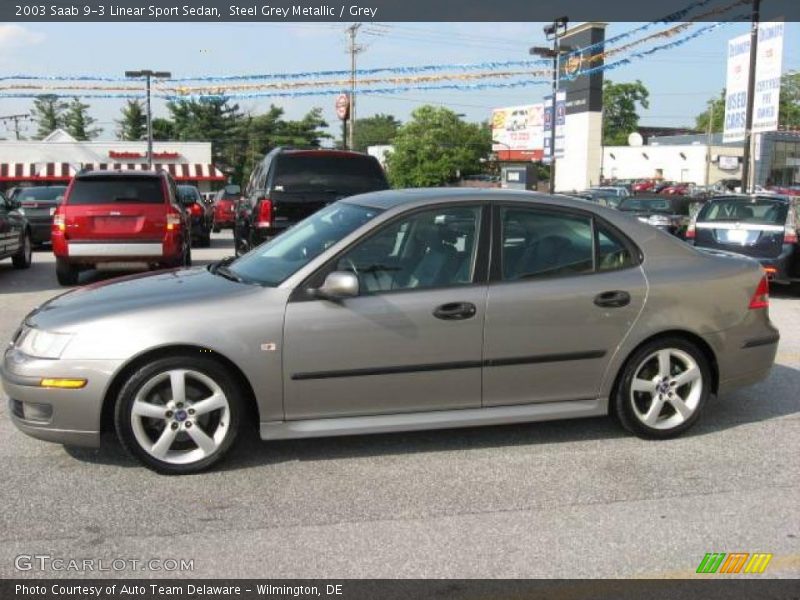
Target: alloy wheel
{"type": "Point", "coordinates": [180, 416]}
{"type": "Point", "coordinates": [666, 389]}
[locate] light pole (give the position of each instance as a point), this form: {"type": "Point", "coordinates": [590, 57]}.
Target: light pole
{"type": "Point", "coordinates": [751, 88]}
{"type": "Point", "coordinates": [147, 74]}
{"type": "Point", "coordinates": [554, 31]}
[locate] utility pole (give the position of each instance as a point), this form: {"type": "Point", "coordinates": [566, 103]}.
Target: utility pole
{"type": "Point", "coordinates": [709, 130]}
{"type": "Point", "coordinates": [353, 49]}
{"type": "Point", "coordinates": [16, 119]}
{"type": "Point", "coordinates": [751, 89]}
{"type": "Point", "coordinates": [148, 74]}
{"type": "Point", "coordinates": [553, 32]}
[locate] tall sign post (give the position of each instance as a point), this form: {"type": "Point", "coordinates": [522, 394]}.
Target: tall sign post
{"type": "Point", "coordinates": [343, 112]}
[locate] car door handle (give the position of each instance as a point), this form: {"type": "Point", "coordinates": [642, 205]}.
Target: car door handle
{"type": "Point", "coordinates": [455, 311]}
{"type": "Point", "coordinates": [614, 299]}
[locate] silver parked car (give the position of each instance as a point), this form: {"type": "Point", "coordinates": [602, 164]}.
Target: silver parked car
{"type": "Point", "coordinates": [398, 310]}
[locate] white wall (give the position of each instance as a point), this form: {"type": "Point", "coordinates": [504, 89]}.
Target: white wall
{"type": "Point", "coordinates": [580, 167]}
{"type": "Point", "coordinates": [673, 163]}
{"type": "Point", "coordinates": [85, 152]}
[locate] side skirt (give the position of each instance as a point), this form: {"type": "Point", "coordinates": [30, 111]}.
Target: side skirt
{"type": "Point", "coordinates": [440, 419]}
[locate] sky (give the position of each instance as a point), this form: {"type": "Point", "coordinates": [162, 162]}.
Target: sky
{"type": "Point", "coordinates": [680, 80]}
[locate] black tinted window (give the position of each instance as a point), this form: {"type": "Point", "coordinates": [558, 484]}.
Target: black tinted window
{"type": "Point", "coordinates": [349, 174]}
{"type": "Point", "coordinates": [188, 192]}
{"type": "Point", "coordinates": [41, 193]}
{"type": "Point", "coordinates": [106, 190]}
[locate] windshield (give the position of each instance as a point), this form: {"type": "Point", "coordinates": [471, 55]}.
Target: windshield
{"type": "Point", "coordinates": [744, 210]}
{"type": "Point", "coordinates": [352, 174]}
{"type": "Point", "coordinates": [41, 194]}
{"type": "Point", "coordinates": [646, 205]}
{"type": "Point", "coordinates": [277, 259]}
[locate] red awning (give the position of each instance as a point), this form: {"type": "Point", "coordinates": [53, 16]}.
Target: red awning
{"type": "Point", "coordinates": [52, 172]}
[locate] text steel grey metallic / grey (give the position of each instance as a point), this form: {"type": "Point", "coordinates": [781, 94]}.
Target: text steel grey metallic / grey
{"type": "Point", "coordinates": [398, 310]}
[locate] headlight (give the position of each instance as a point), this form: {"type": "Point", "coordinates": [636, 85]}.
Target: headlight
{"type": "Point", "coordinates": [42, 344]}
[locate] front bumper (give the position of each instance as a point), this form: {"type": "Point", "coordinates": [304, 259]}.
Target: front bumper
{"type": "Point", "coordinates": [65, 416]}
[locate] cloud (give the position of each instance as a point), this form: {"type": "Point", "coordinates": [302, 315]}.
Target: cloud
{"type": "Point", "coordinates": [17, 36]}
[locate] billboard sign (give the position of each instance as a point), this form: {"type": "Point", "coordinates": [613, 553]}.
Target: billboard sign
{"type": "Point", "coordinates": [518, 128]}
{"type": "Point", "coordinates": [561, 119]}
{"type": "Point", "coordinates": [767, 84]}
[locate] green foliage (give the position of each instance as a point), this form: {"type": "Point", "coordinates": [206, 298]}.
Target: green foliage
{"type": "Point", "coordinates": [620, 118]}
{"type": "Point", "coordinates": [48, 113]}
{"type": "Point", "coordinates": [373, 131]}
{"type": "Point", "coordinates": [436, 147]}
{"type": "Point", "coordinates": [714, 112]}
{"type": "Point", "coordinates": [163, 129]}
{"type": "Point", "coordinates": [78, 123]}
{"type": "Point", "coordinates": [133, 124]}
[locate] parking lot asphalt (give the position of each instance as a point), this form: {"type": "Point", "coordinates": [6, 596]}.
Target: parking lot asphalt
{"type": "Point", "coordinates": [559, 499]}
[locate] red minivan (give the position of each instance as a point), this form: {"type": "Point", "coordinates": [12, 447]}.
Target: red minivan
{"type": "Point", "coordinates": [130, 218]}
{"type": "Point", "coordinates": [225, 207]}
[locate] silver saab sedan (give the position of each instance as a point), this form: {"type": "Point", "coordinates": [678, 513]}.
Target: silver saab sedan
{"type": "Point", "coordinates": [393, 311]}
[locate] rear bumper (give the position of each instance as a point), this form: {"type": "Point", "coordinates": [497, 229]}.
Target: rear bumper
{"type": "Point", "coordinates": [40, 231]}
{"type": "Point", "coordinates": [744, 357]}
{"type": "Point", "coordinates": [782, 269]}
{"type": "Point", "coordinates": [116, 250]}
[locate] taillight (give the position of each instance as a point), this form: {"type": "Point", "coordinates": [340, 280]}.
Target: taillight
{"type": "Point", "coordinates": [789, 231]}
{"type": "Point", "coordinates": [59, 223]}
{"type": "Point", "coordinates": [691, 230]}
{"type": "Point", "coordinates": [264, 213]}
{"type": "Point", "coordinates": [196, 210]}
{"type": "Point", "coordinates": [760, 298]}
{"type": "Point", "coordinates": [173, 221]}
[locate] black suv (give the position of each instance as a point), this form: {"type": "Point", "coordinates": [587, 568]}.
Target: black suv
{"type": "Point", "coordinates": [288, 185]}
{"type": "Point", "coordinates": [15, 234]}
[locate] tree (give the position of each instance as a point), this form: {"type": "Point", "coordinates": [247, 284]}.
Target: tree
{"type": "Point", "coordinates": [435, 148]}
{"type": "Point", "coordinates": [620, 118]}
{"type": "Point", "coordinates": [78, 123]}
{"type": "Point", "coordinates": [715, 113]}
{"type": "Point", "coordinates": [163, 129]}
{"type": "Point", "coordinates": [133, 124]}
{"type": "Point", "coordinates": [48, 113]}
{"type": "Point", "coordinates": [372, 131]}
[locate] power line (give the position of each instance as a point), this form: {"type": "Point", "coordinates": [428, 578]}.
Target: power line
{"type": "Point", "coordinates": [16, 120]}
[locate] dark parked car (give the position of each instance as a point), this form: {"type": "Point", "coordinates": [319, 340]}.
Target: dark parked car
{"type": "Point", "coordinates": [15, 234]}
{"type": "Point", "coordinates": [225, 206]}
{"type": "Point", "coordinates": [670, 213]}
{"type": "Point", "coordinates": [119, 217]}
{"type": "Point", "coordinates": [200, 219]}
{"type": "Point", "coordinates": [289, 185]}
{"type": "Point", "coordinates": [763, 227]}
{"type": "Point", "coordinates": [39, 204]}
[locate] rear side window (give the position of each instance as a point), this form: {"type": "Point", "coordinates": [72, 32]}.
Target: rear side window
{"type": "Point", "coordinates": [766, 212]}
{"type": "Point", "coordinates": [330, 173]}
{"type": "Point", "coordinates": [109, 190]}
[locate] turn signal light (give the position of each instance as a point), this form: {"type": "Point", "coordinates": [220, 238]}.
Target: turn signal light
{"type": "Point", "coordinates": [173, 221]}
{"type": "Point", "coordinates": [58, 220]}
{"type": "Point", "coordinates": [760, 298]}
{"type": "Point", "coordinates": [67, 384]}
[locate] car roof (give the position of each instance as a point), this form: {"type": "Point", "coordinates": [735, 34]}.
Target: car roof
{"type": "Point", "coordinates": [110, 173]}
{"type": "Point", "coordinates": [752, 197]}
{"type": "Point", "coordinates": [388, 199]}
{"type": "Point", "coordinates": [323, 152]}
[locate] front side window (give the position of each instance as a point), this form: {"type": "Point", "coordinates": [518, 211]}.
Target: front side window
{"type": "Point", "coordinates": [430, 249]}
{"type": "Point", "coordinates": [273, 262]}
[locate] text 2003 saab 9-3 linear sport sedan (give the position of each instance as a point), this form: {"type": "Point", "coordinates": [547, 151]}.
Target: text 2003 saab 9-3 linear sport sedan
{"type": "Point", "coordinates": [398, 310]}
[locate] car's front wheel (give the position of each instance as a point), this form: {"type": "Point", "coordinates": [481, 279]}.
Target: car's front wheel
{"type": "Point", "coordinates": [179, 415]}
{"type": "Point", "coordinates": [663, 388]}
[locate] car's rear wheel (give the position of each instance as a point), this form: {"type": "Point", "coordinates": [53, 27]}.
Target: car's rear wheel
{"type": "Point", "coordinates": [663, 388]}
{"type": "Point", "coordinates": [22, 259]}
{"type": "Point", "coordinates": [66, 272]}
{"type": "Point", "coordinates": [179, 415]}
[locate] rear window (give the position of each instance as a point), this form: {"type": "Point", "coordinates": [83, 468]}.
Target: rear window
{"type": "Point", "coordinates": [646, 204]}
{"type": "Point", "coordinates": [743, 210]}
{"type": "Point", "coordinates": [347, 174]}
{"type": "Point", "coordinates": [187, 192]}
{"type": "Point", "coordinates": [108, 190]}
{"type": "Point", "coordinates": [41, 194]}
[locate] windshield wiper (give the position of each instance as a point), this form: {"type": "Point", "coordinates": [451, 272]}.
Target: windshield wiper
{"type": "Point", "coordinates": [225, 271]}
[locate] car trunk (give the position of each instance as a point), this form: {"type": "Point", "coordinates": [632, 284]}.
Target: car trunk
{"type": "Point", "coordinates": [758, 241]}
{"type": "Point", "coordinates": [296, 206]}
{"type": "Point", "coordinates": [105, 209]}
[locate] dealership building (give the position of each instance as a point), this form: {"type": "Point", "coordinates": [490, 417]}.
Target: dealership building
{"type": "Point", "coordinates": [56, 158]}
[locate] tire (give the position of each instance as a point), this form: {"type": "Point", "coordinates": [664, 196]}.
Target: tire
{"type": "Point", "coordinates": [187, 257]}
{"type": "Point", "coordinates": [205, 241]}
{"type": "Point", "coordinates": [150, 390]}
{"type": "Point", "coordinates": [66, 273]}
{"type": "Point", "coordinates": [215, 229]}
{"type": "Point", "coordinates": [22, 259]}
{"type": "Point", "coordinates": [648, 403]}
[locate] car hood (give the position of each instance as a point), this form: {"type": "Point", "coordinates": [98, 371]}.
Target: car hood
{"type": "Point", "coordinates": [135, 294]}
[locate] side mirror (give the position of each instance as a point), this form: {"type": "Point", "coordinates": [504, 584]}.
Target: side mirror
{"type": "Point", "coordinates": [339, 285]}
